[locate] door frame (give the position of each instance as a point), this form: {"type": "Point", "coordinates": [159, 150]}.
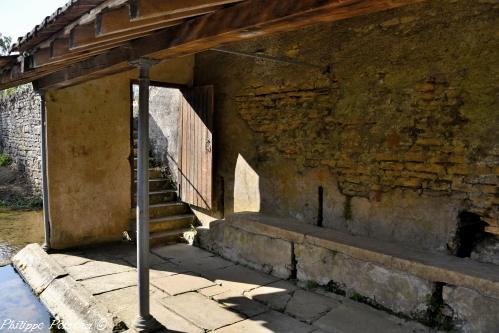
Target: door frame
{"type": "Point", "coordinates": [131, 139]}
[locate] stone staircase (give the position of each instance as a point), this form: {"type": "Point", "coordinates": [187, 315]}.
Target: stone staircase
{"type": "Point", "coordinates": [169, 218]}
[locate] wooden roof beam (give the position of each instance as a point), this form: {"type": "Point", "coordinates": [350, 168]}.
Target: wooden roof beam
{"type": "Point", "coordinates": [59, 47]}
{"type": "Point", "coordinates": [82, 34]}
{"type": "Point", "coordinates": [145, 9]}
{"type": "Point", "coordinates": [4, 60]}
{"type": "Point", "coordinates": [118, 21]}
{"type": "Point", "coordinates": [42, 56]}
{"type": "Point", "coordinates": [247, 19]}
{"type": "Point", "coordinates": [109, 25]}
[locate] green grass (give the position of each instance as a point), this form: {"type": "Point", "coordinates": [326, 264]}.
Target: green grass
{"type": "Point", "coordinates": [5, 160]}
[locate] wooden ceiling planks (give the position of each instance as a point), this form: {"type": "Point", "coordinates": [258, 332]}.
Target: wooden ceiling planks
{"type": "Point", "coordinates": [52, 24]}
{"type": "Point", "coordinates": [145, 9]}
{"type": "Point", "coordinates": [5, 60]}
{"type": "Point", "coordinates": [95, 53]}
{"type": "Point", "coordinates": [112, 26]}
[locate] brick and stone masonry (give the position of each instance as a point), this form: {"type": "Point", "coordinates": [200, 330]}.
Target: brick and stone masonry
{"type": "Point", "coordinates": [400, 132]}
{"type": "Point", "coordinates": [399, 128]}
{"type": "Point", "coordinates": [20, 132]}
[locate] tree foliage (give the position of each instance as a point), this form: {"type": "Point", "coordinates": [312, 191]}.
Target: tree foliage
{"type": "Point", "coordinates": [5, 42]}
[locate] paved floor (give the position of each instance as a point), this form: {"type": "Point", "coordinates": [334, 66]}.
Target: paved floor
{"type": "Point", "coordinates": [193, 290]}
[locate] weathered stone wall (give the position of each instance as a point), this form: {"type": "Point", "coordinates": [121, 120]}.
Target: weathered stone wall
{"type": "Point", "coordinates": [445, 292]}
{"type": "Point", "coordinates": [400, 128]}
{"type": "Point", "coordinates": [164, 110]}
{"type": "Point", "coordinates": [88, 139]}
{"type": "Point", "coordinates": [20, 132]}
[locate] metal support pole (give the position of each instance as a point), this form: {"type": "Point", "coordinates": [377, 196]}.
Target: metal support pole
{"type": "Point", "coordinates": [45, 191]}
{"type": "Point", "coordinates": [145, 321]}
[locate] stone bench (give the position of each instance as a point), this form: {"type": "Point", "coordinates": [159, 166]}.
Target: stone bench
{"type": "Point", "coordinates": [403, 280]}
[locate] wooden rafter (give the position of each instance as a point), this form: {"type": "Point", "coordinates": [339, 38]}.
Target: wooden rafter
{"type": "Point", "coordinates": [121, 29]}
{"type": "Point", "coordinates": [5, 60]}
{"type": "Point", "coordinates": [246, 19]}
{"type": "Point", "coordinates": [112, 26]}
{"type": "Point", "coordinates": [146, 9]}
{"type": "Point", "coordinates": [52, 24]}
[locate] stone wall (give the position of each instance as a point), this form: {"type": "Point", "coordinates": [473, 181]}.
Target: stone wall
{"type": "Point", "coordinates": [164, 110]}
{"type": "Point", "coordinates": [399, 126]}
{"type": "Point", "coordinates": [20, 132]}
{"type": "Point", "coordinates": [89, 170]}
{"type": "Point", "coordinates": [442, 291]}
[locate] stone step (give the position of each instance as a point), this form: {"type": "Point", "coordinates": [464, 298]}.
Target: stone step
{"type": "Point", "coordinates": [165, 209]}
{"type": "Point", "coordinates": [156, 184]}
{"type": "Point", "coordinates": [167, 237]}
{"type": "Point", "coordinates": [151, 162]}
{"type": "Point", "coordinates": [154, 173]}
{"type": "Point", "coordinates": [158, 197]}
{"type": "Point", "coordinates": [170, 223]}
{"type": "Point", "coordinates": [136, 152]}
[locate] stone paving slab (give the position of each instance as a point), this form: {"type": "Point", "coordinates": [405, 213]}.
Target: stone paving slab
{"type": "Point", "coordinates": [170, 320]}
{"type": "Point", "coordinates": [37, 267]}
{"type": "Point", "coordinates": [216, 295]}
{"type": "Point", "coordinates": [111, 282]}
{"type": "Point", "coordinates": [181, 283]}
{"type": "Point", "coordinates": [241, 304]}
{"type": "Point", "coordinates": [276, 295]}
{"type": "Point", "coordinates": [238, 279]}
{"type": "Point", "coordinates": [68, 260]}
{"type": "Point", "coordinates": [201, 311]}
{"type": "Point", "coordinates": [182, 252]}
{"type": "Point", "coordinates": [212, 291]}
{"type": "Point", "coordinates": [119, 300]}
{"type": "Point", "coordinates": [94, 269]}
{"type": "Point", "coordinates": [74, 305]}
{"type": "Point", "coordinates": [307, 306]}
{"type": "Point", "coordinates": [153, 259]}
{"type": "Point", "coordinates": [165, 269]}
{"type": "Point", "coordinates": [351, 317]}
{"type": "Point", "coordinates": [269, 322]}
{"type": "Point", "coordinates": [202, 265]}
{"type": "Point", "coordinates": [111, 250]}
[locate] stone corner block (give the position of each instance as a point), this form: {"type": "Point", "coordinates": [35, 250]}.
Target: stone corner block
{"type": "Point", "coordinates": [76, 308]}
{"type": "Point", "coordinates": [395, 290]}
{"type": "Point", "coordinates": [472, 311]}
{"type": "Point", "coordinates": [36, 267]}
{"type": "Point", "coordinates": [270, 255]}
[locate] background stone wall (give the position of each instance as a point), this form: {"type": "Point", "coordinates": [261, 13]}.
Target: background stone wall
{"type": "Point", "coordinates": [20, 132]}
{"type": "Point", "coordinates": [400, 127]}
{"type": "Point", "coordinates": [164, 110]}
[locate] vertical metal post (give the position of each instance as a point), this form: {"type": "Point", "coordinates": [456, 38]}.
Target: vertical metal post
{"type": "Point", "coordinates": [45, 193]}
{"type": "Point", "coordinates": [145, 321]}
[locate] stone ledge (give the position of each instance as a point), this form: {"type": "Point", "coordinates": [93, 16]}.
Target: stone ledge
{"type": "Point", "coordinates": [472, 311]}
{"type": "Point", "coordinates": [66, 299]}
{"type": "Point", "coordinates": [431, 266]}
{"type": "Point", "coordinates": [271, 255]}
{"type": "Point", "coordinates": [37, 268]}
{"type": "Point", "coordinates": [395, 290]}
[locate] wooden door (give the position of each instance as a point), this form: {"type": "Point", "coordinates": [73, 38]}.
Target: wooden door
{"type": "Point", "coordinates": [196, 146]}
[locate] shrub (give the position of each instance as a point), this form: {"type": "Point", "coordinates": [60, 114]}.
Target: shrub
{"type": "Point", "coordinates": [5, 160]}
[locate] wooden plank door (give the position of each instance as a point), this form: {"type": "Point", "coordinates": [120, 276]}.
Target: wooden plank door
{"type": "Point", "coordinates": [196, 146]}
